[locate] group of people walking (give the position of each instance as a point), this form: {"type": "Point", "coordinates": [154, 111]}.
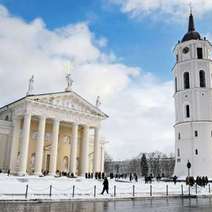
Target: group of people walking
{"type": "Point", "coordinates": [130, 176]}
{"type": "Point", "coordinates": [96, 175]}
{"type": "Point", "coordinates": [200, 181]}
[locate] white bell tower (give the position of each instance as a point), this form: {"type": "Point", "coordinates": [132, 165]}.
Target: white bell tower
{"type": "Point", "coordinates": [193, 104]}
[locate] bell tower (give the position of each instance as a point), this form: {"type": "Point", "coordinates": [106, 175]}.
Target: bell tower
{"type": "Point", "coordinates": [193, 104]}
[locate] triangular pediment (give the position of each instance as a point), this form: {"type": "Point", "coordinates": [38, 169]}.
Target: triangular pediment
{"type": "Point", "coordinates": [68, 101]}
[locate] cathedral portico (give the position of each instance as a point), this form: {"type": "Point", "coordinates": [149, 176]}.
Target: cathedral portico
{"type": "Point", "coordinates": [53, 132]}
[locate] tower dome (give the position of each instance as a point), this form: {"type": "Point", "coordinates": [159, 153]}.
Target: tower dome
{"type": "Point", "coordinates": [192, 34]}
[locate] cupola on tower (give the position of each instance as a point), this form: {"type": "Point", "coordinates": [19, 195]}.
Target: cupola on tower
{"type": "Point", "coordinates": [193, 104]}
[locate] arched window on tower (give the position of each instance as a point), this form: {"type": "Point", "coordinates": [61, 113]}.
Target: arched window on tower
{"type": "Point", "coordinates": [202, 79]}
{"type": "Point", "coordinates": [186, 80]}
{"type": "Point", "coordinates": [187, 111]}
{"type": "Point", "coordinates": [199, 53]}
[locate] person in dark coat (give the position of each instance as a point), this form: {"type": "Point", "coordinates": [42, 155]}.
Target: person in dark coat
{"type": "Point", "coordinates": [103, 175]}
{"type": "Point", "coordinates": [135, 177]}
{"type": "Point", "coordinates": [175, 179]}
{"type": "Point", "coordinates": [130, 177]}
{"type": "Point", "coordinates": [105, 185]}
{"type": "Point", "coordinates": [111, 175]}
{"type": "Point", "coordinates": [99, 175]}
{"type": "Point", "coordinates": [206, 180]}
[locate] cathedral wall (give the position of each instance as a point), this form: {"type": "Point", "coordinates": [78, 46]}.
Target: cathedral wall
{"type": "Point", "coordinates": [193, 144]}
{"type": "Point", "coordinates": [200, 102]}
{"type": "Point", "coordinates": [5, 143]}
{"type": "Point", "coordinates": [192, 44]}
{"type": "Point", "coordinates": [63, 158]}
{"type": "Point", "coordinates": [193, 69]}
{"type": "Point", "coordinates": [63, 161]}
{"type": "Point", "coordinates": [4, 152]}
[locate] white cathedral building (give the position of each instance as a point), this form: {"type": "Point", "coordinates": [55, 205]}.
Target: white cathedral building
{"type": "Point", "coordinates": [193, 104]}
{"type": "Point", "coordinates": [51, 131]}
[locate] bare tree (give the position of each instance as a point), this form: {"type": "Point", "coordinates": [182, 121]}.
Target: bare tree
{"type": "Point", "coordinates": [107, 162]}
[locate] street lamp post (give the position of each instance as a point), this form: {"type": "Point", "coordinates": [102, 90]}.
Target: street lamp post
{"type": "Point", "coordinates": [189, 167]}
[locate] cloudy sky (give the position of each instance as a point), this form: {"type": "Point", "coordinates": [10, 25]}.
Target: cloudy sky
{"type": "Point", "coordinates": [122, 51]}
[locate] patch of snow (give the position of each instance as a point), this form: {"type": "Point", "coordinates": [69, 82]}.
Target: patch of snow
{"type": "Point", "coordinates": [56, 188]}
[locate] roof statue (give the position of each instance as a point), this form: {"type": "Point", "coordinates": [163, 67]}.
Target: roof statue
{"type": "Point", "coordinates": [98, 102]}
{"type": "Point", "coordinates": [69, 67]}
{"type": "Point", "coordinates": [69, 82]}
{"type": "Point", "coordinates": [30, 86]}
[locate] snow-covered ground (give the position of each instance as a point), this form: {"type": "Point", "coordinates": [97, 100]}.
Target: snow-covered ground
{"type": "Point", "coordinates": [14, 188]}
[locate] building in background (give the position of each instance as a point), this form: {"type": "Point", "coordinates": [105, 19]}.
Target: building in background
{"type": "Point", "coordinates": [158, 164]}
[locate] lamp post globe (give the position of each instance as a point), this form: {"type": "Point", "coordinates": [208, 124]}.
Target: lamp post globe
{"type": "Point", "coordinates": [188, 166]}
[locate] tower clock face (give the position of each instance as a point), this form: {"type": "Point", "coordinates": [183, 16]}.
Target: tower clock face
{"type": "Point", "coordinates": [185, 50]}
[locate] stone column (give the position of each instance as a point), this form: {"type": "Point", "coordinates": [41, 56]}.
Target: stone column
{"type": "Point", "coordinates": [85, 148]}
{"type": "Point", "coordinates": [40, 145]}
{"type": "Point", "coordinates": [14, 145]}
{"type": "Point", "coordinates": [96, 158]}
{"type": "Point", "coordinates": [73, 151]}
{"type": "Point", "coordinates": [102, 158]}
{"type": "Point", "coordinates": [53, 156]}
{"type": "Point", "coordinates": [24, 145]}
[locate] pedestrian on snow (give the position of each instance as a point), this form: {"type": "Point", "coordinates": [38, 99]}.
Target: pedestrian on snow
{"type": "Point", "coordinates": [105, 185]}
{"type": "Point", "coordinates": [136, 177]}
{"type": "Point", "coordinates": [8, 172]}
{"type": "Point", "coordinates": [175, 179]}
{"type": "Point", "coordinates": [103, 175]}
{"type": "Point", "coordinates": [130, 177]}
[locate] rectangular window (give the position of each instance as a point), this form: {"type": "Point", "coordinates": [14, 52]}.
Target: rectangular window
{"type": "Point", "coordinates": [196, 151]}
{"type": "Point", "coordinates": [179, 136]}
{"type": "Point", "coordinates": [178, 160]}
{"type": "Point", "coordinates": [187, 111]}
{"type": "Point", "coordinates": [202, 79]}
{"type": "Point", "coordinates": [175, 84]}
{"type": "Point", "coordinates": [199, 53]}
{"type": "Point", "coordinates": [196, 133]}
{"type": "Point", "coordinates": [178, 152]}
{"type": "Point", "coordinates": [177, 58]}
{"type": "Point", "coordinates": [186, 79]}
